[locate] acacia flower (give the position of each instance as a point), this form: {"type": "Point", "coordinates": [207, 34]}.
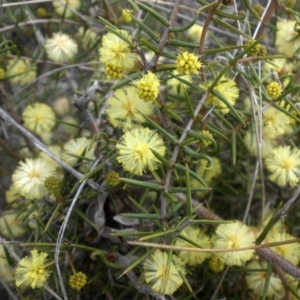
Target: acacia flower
{"type": "Point", "coordinates": [275, 123]}
{"type": "Point", "coordinates": [31, 271]}
{"type": "Point", "coordinates": [274, 90]}
{"type": "Point", "coordinates": [148, 87]}
{"type": "Point", "coordinates": [163, 278]}
{"type": "Point", "coordinates": [195, 32]}
{"type": "Point", "coordinates": [291, 252]}
{"type": "Point", "coordinates": [114, 72]}
{"type": "Point", "coordinates": [125, 108]}
{"type": "Point", "coordinates": [234, 236]}
{"type": "Point", "coordinates": [21, 71]}
{"type": "Point", "coordinates": [78, 149]}
{"type": "Point", "coordinates": [61, 48]}
{"type": "Point", "coordinates": [112, 178]}
{"type": "Point", "coordinates": [284, 165]}
{"type": "Point", "coordinates": [187, 63]}
{"type": "Point", "coordinates": [287, 38]}
{"type": "Point", "coordinates": [197, 239]}
{"type": "Point", "coordinates": [228, 89]}
{"type": "Point", "coordinates": [216, 264]}
{"type": "Point", "coordinates": [77, 281]}
{"type": "Point", "coordinates": [135, 153]}
{"type": "Point", "coordinates": [256, 279]}
{"type": "Point", "coordinates": [29, 177]}
{"type": "Point", "coordinates": [63, 6]}
{"type": "Point", "coordinates": [39, 117]}
{"type": "Point", "coordinates": [204, 142]}
{"type": "Point", "coordinates": [115, 50]}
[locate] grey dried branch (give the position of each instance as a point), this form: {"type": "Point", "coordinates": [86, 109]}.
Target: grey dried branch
{"type": "Point", "coordinates": [82, 104]}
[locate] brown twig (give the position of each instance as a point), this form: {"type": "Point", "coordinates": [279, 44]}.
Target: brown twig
{"type": "Point", "coordinates": [203, 36]}
{"type": "Point", "coordinates": [165, 35]}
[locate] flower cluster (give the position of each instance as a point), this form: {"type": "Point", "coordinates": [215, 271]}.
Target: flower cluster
{"type": "Point", "coordinates": [163, 274]}
{"type": "Point", "coordinates": [60, 47]}
{"type": "Point", "coordinates": [66, 7]}
{"type": "Point", "coordinates": [39, 118]}
{"type": "Point", "coordinates": [77, 281]}
{"type": "Point", "coordinates": [194, 238]}
{"type": "Point", "coordinates": [117, 53]}
{"type": "Point", "coordinates": [232, 237]}
{"type": "Point", "coordinates": [228, 89]}
{"type": "Point", "coordinates": [148, 87]}
{"type": "Point", "coordinates": [21, 71]}
{"type": "Point", "coordinates": [287, 38]}
{"type": "Point", "coordinates": [31, 270]}
{"type": "Point", "coordinates": [284, 165]}
{"type": "Point", "coordinates": [187, 63]}
{"type": "Point", "coordinates": [274, 90]}
{"type": "Point", "coordinates": [125, 109]}
{"type": "Point", "coordinates": [135, 150]}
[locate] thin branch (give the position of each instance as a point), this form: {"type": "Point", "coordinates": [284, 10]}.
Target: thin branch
{"type": "Point", "coordinates": [175, 156]}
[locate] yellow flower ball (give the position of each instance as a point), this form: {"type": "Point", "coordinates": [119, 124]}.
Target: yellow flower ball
{"type": "Point", "coordinates": [233, 236]}
{"type": "Point", "coordinates": [148, 87]}
{"type": "Point", "coordinates": [187, 63]}
{"type": "Point", "coordinates": [135, 150]}
{"type": "Point", "coordinates": [39, 118]}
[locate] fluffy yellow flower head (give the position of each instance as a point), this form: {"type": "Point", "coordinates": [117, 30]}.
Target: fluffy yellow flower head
{"type": "Point", "coordinates": [187, 63]}
{"type": "Point", "coordinates": [31, 271]}
{"type": "Point", "coordinates": [274, 90]}
{"type": "Point", "coordinates": [256, 279]}
{"type": "Point", "coordinates": [163, 278]}
{"type": "Point", "coordinates": [135, 153]}
{"type": "Point", "coordinates": [291, 252]}
{"type": "Point", "coordinates": [78, 149]}
{"type": "Point", "coordinates": [125, 108]}
{"type": "Point", "coordinates": [275, 123]}
{"type": "Point", "coordinates": [39, 117]}
{"type": "Point", "coordinates": [198, 240]}
{"type": "Point", "coordinates": [284, 165]}
{"type": "Point", "coordinates": [228, 89]}
{"type": "Point", "coordinates": [116, 51]}
{"type": "Point", "coordinates": [63, 6]}
{"type": "Point", "coordinates": [22, 71]}
{"type": "Point", "coordinates": [29, 177]}
{"type": "Point", "coordinates": [148, 87]}
{"type": "Point", "coordinates": [61, 48]}
{"type": "Point", "coordinates": [233, 236]}
{"type": "Point", "coordinates": [77, 281]}
{"type": "Point", "coordinates": [287, 39]}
